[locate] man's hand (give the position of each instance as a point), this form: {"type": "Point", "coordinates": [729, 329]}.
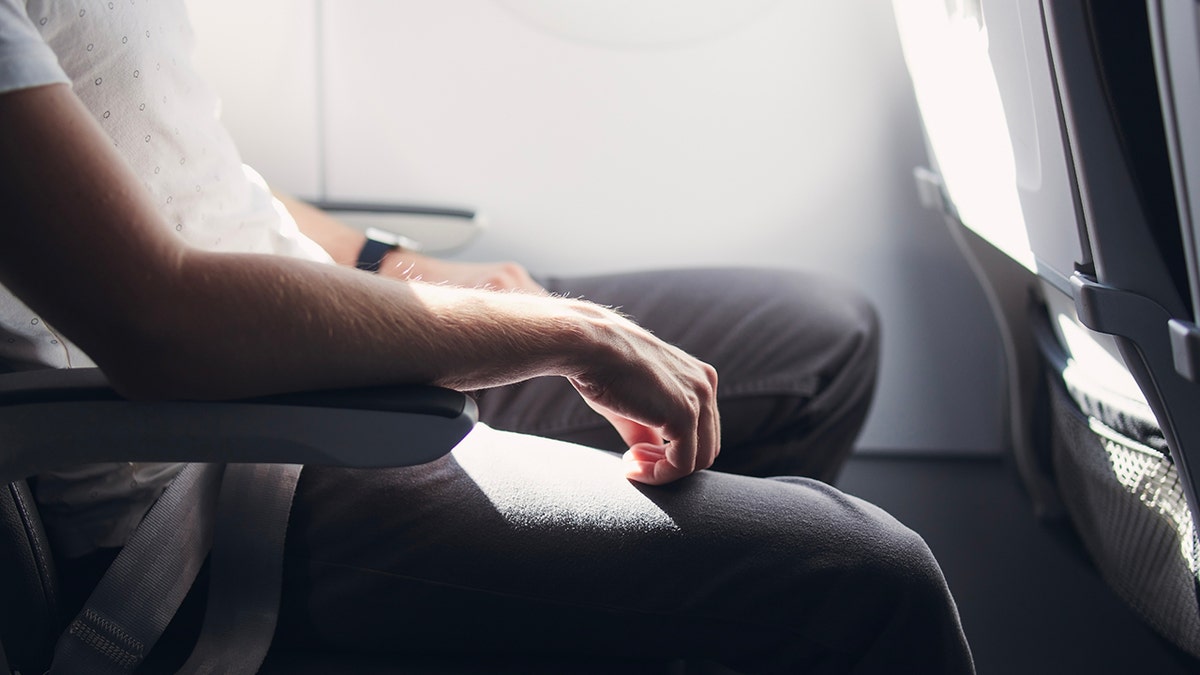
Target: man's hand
{"type": "Point", "coordinates": [343, 242]}
{"type": "Point", "coordinates": [660, 399]}
{"type": "Point", "coordinates": [506, 276]}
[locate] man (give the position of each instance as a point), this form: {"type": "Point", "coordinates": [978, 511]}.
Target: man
{"type": "Point", "coordinates": [133, 238]}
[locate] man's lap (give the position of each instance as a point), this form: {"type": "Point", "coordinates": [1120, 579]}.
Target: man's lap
{"type": "Point", "coordinates": [515, 544]}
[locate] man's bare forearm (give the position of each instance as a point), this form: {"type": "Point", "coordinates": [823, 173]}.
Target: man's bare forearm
{"type": "Point", "coordinates": [314, 325]}
{"type": "Point", "coordinates": [81, 243]}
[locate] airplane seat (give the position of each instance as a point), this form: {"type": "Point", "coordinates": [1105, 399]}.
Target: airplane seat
{"type": "Point", "coordinates": [29, 593]}
{"type": "Point", "coordinates": [1127, 492]}
{"type": "Point", "coordinates": [54, 418]}
{"type": "Point", "coordinates": [1059, 138]}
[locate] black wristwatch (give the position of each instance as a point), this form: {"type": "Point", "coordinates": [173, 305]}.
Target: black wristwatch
{"type": "Point", "coordinates": [378, 244]}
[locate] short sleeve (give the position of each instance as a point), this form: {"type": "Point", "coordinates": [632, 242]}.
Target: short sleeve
{"type": "Point", "coordinates": [25, 58]}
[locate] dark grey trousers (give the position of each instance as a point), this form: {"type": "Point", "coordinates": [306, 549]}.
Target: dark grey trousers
{"type": "Point", "coordinates": [517, 544]}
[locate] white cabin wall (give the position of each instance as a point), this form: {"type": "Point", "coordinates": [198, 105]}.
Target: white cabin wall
{"type": "Point", "coordinates": [786, 139]}
{"type": "Point", "coordinates": [261, 57]}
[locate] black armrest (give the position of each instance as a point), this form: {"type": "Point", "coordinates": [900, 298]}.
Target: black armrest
{"type": "Point", "coordinates": [55, 418]}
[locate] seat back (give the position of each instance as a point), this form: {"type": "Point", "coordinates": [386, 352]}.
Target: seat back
{"type": "Point", "coordinates": [29, 594]}
{"type": "Point", "coordinates": [1057, 155]}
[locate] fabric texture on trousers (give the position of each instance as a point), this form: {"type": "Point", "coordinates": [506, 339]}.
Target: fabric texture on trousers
{"type": "Point", "coordinates": [523, 542]}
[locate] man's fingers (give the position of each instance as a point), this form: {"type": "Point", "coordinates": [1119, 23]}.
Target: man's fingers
{"type": "Point", "coordinates": [668, 400]}
{"type": "Point", "coordinates": [707, 438]}
{"type": "Point", "coordinates": [715, 418]}
{"type": "Point", "coordinates": [648, 465]}
{"type": "Point", "coordinates": [635, 433]}
{"type": "Point", "coordinates": [706, 435]}
{"type": "Point", "coordinates": [496, 276]}
{"type": "Point", "coordinates": [645, 452]}
{"type": "Point", "coordinates": [690, 447]}
{"type": "Point", "coordinates": [631, 432]}
{"type": "Point", "coordinates": [681, 453]}
{"type": "Point", "coordinates": [710, 423]}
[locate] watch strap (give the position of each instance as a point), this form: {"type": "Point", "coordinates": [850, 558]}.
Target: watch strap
{"type": "Point", "coordinates": [371, 255]}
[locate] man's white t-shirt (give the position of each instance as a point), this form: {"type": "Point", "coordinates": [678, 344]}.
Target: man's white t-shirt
{"type": "Point", "coordinates": [130, 62]}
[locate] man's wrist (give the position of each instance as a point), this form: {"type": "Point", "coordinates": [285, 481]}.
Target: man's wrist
{"type": "Point", "coordinates": [372, 253]}
{"type": "Point", "coordinates": [378, 245]}
{"type": "Point", "coordinates": [588, 336]}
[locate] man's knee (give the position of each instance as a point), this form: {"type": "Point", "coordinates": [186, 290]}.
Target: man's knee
{"type": "Point", "coordinates": [903, 612]}
{"type": "Point", "coordinates": [855, 342]}
{"type": "Point", "coordinates": [905, 564]}
{"type": "Point", "coordinates": [835, 343]}
{"type": "Point", "coordinates": [850, 584]}
{"type": "Point", "coordinates": [831, 327]}
{"type": "Point", "coordinates": [849, 325]}
{"type": "Point", "coordinates": [843, 543]}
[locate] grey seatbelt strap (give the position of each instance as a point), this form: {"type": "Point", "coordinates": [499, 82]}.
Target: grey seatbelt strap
{"type": "Point", "coordinates": [144, 586]}
{"type": "Point", "coordinates": [246, 572]}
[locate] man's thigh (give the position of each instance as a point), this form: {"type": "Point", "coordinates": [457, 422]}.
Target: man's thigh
{"type": "Point", "coordinates": [521, 545]}
{"type": "Point", "coordinates": [796, 355]}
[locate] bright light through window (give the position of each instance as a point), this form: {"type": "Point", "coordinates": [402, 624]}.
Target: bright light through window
{"type": "Point", "coordinates": [946, 48]}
